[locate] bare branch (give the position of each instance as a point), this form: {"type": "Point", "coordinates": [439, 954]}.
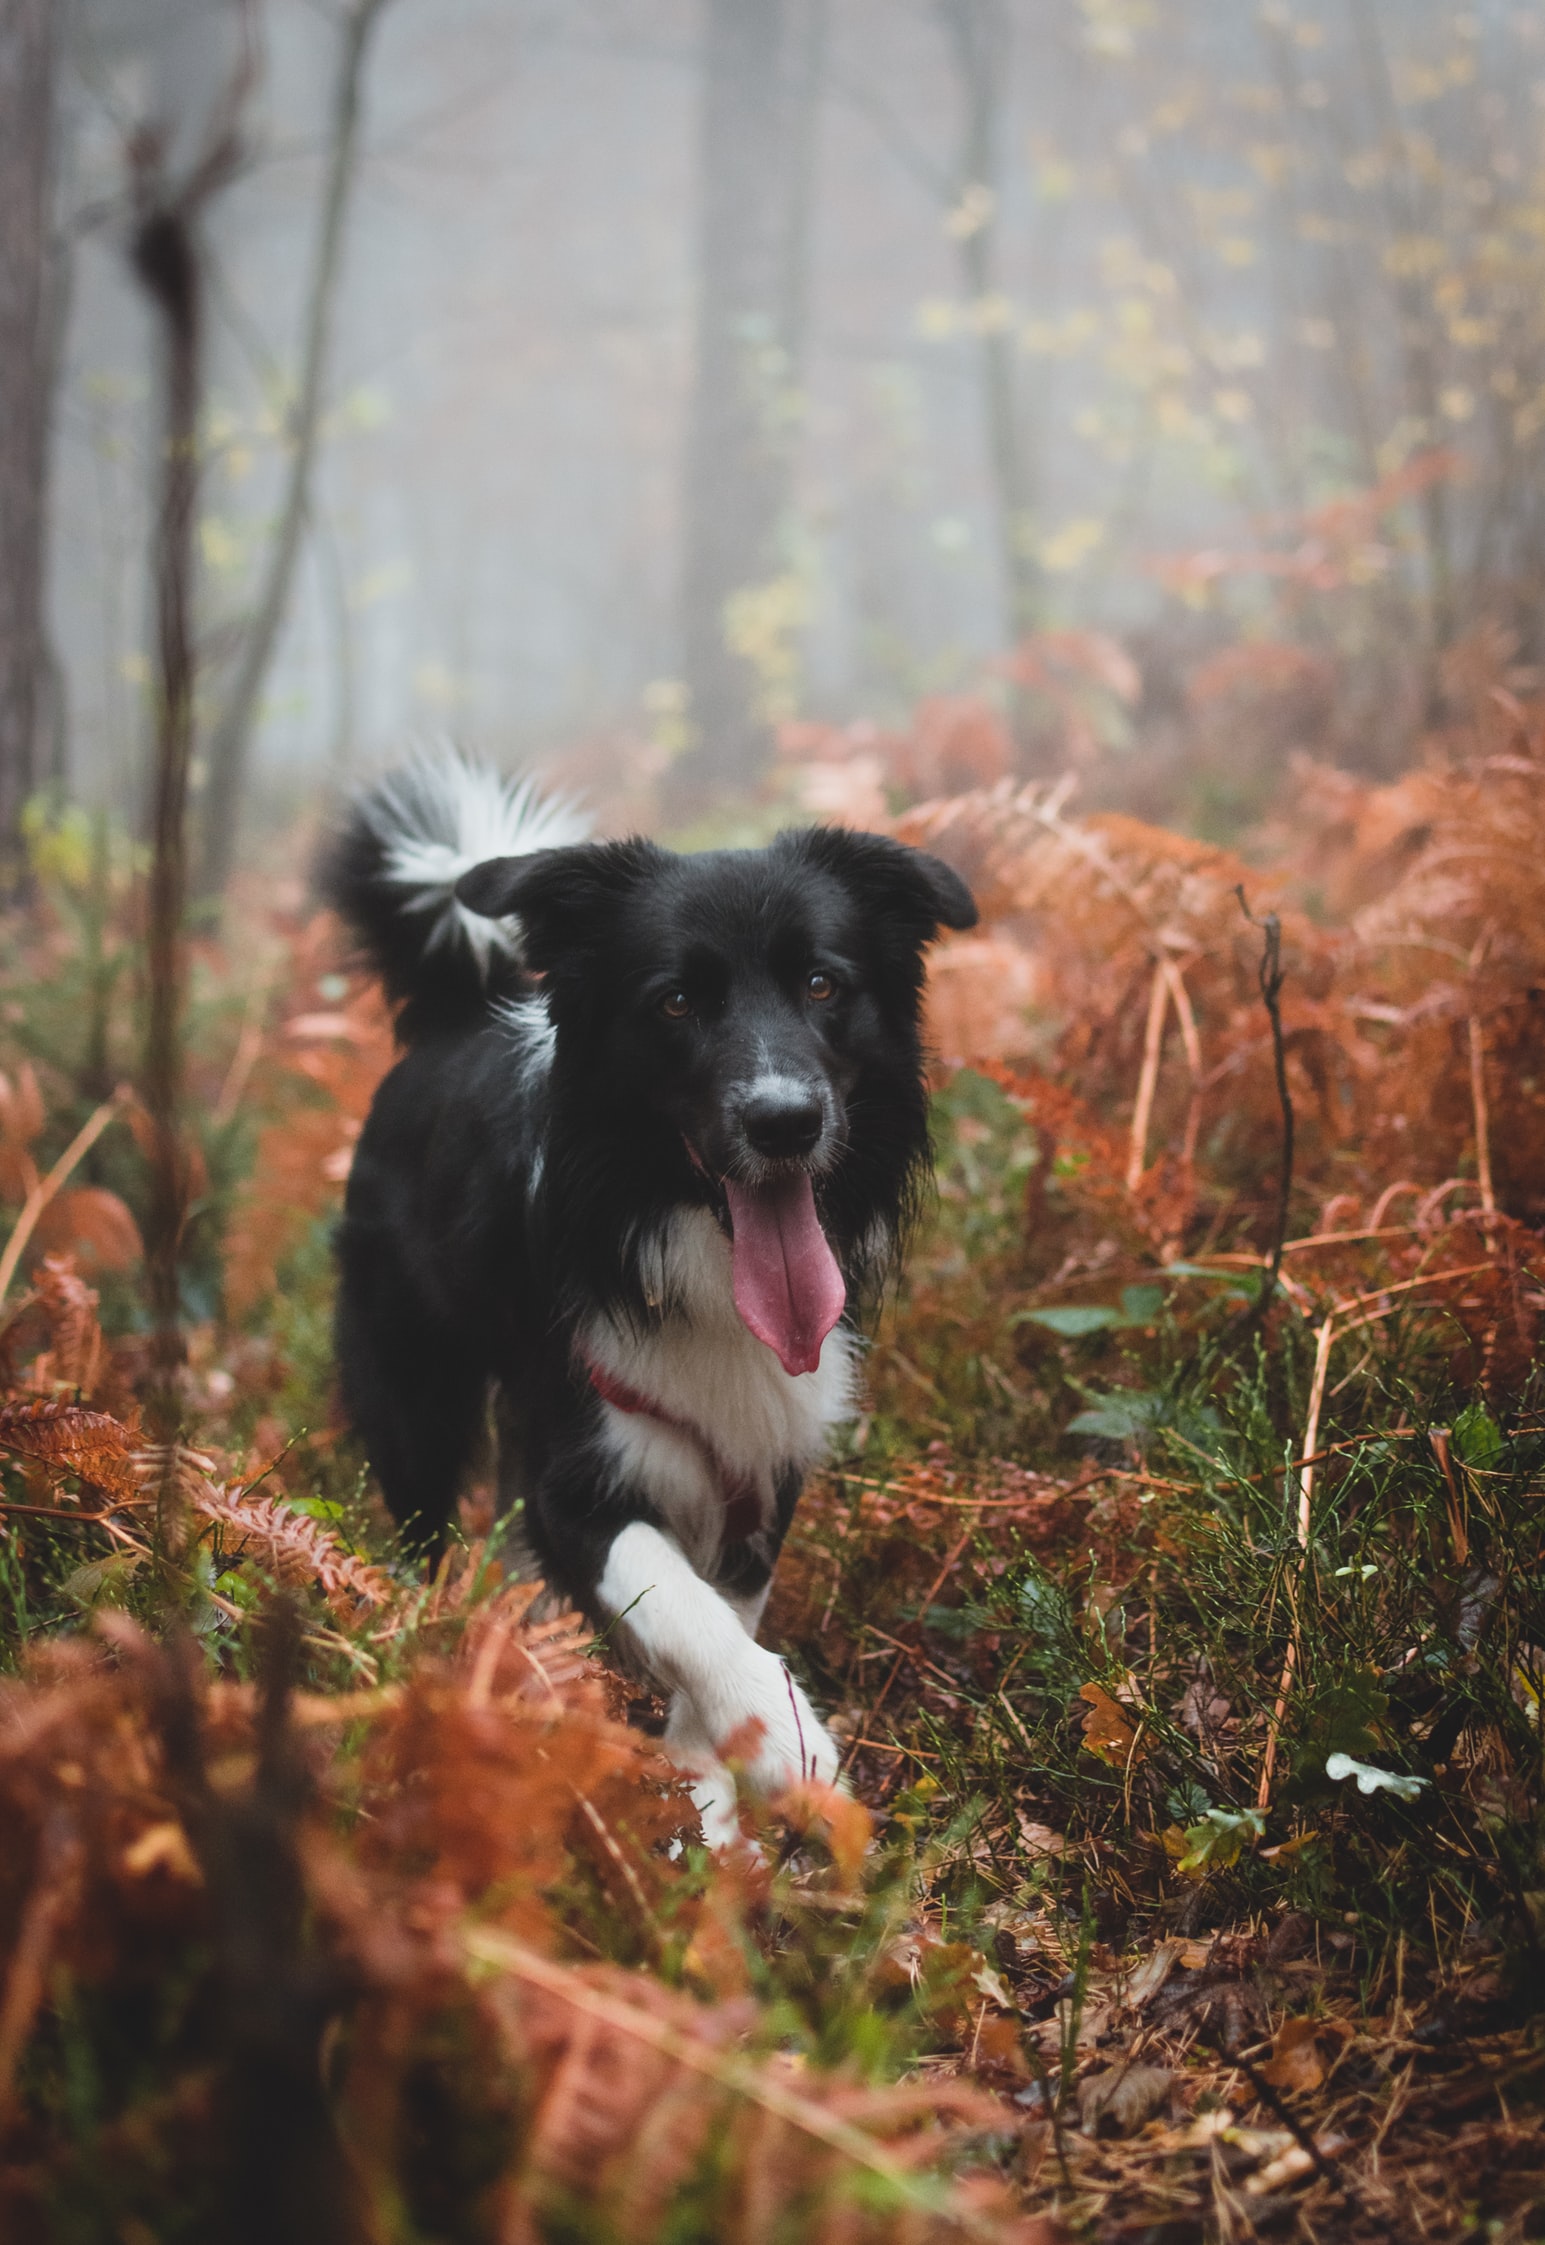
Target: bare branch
{"type": "Point", "coordinates": [231, 742]}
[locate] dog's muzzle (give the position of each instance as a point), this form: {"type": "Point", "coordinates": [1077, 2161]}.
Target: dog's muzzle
{"type": "Point", "coordinates": [784, 1125]}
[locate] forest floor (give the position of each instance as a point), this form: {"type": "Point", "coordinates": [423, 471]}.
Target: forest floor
{"type": "Point", "coordinates": [1184, 1632]}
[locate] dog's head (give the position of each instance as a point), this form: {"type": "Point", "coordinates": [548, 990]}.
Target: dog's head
{"type": "Point", "coordinates": [759, 1008]}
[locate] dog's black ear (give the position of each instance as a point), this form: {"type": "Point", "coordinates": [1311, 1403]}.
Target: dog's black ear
{"type": "Point", "coordinates": [910, 891]}
{"type": "Point", "coordinates": [563, 899]}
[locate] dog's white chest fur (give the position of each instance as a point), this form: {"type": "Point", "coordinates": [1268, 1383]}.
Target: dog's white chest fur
{"type": "Point", "coordinates": [702, 1367]}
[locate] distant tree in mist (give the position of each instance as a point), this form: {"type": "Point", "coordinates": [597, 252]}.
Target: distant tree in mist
{"type": "Point", "coordinates": [1212, 327]}
{"type": "Point", "coordinates": [761, 72]}
{"type": "Point", "coordinates": [979, 37]}
{"type": "Point", "coordinates": [168, 259]}
{"type": "Point", "coordinates": [230, 743]}
{"type": "Point", "coordinates": [26, 133]}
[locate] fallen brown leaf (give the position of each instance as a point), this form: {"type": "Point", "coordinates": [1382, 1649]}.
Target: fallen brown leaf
{"type": "Point", "coordinates": [1122, 2099]}
{"type": "Point", "coordinates": [1297, 2061]}
{"type": "Point", "coordinates": [1108, 1730]}
{"type": "Point", "coordinates": [1227, 2010]}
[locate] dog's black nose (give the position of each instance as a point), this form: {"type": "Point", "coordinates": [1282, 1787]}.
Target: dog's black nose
{"type": "Point", "coordinates": [784, 1125]}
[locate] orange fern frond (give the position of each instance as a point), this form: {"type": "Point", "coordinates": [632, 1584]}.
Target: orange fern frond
{"type": "Point", "coordinates": [294, 1549]}
{"type": "Point", "coordinates": [631, 2081]}
{"type": "Point", "coordinates": [98, 1449]}
{"type": "Point", "coordinates": [91, 1224]}
{"type": "Point", "coordinates": [74, 1356]}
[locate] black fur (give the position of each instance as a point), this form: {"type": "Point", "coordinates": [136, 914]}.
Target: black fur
{"type": "Point", "coordinates": [495, 1203]}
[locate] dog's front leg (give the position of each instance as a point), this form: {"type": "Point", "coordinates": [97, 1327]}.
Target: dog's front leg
{"type": "Point", "coordinates": [727, 1691]}
{"type": "Point", "coordinates": [712, 1787]}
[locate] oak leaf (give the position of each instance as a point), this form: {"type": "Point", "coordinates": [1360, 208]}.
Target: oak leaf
{"type": "Point", "coordinates": [1297, 2061]}
{"type": "Point", "coordinates": [1109, 1732]}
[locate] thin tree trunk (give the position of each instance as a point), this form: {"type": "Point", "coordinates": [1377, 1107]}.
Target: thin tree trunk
{"type": "Point", "coordinates": [1409, 211]}
{"type": "Point", "coordinates": [231, 741]}
{"type": "Point", "coordinates": [802, 140]}
{"type": "Point", "coordinates": [169, 265]}
{"type": "Point", "coordinates": [166, 260]}
{"type": "Point", "coordinates": [26, 137]}
{"type": "Point", "coordinates": [979, 37]}
{"type": "Point", "coordinates": [761, 88]}
{"type": "Point", "coordinates": [330, 560]}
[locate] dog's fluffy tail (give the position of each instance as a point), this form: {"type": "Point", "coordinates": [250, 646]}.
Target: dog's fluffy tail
{"type": "Point", "coordinates": [390, 868]}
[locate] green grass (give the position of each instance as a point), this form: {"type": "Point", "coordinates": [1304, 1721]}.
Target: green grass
{"type": "Point", "coordinates": [1189, 1585]}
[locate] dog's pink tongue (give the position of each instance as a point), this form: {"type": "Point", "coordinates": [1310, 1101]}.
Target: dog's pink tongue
{"type": "Point", "coordinates": [788, 1288]}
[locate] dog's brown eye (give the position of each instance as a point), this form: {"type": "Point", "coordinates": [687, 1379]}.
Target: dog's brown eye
{"type": "Point", "coordinates": [819, 986]}
{"type": "Point", "coordinates": [677, 1006]}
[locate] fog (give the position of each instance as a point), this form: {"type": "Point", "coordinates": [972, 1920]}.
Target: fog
{"type": "Point", "coordinates": [1083, 315]}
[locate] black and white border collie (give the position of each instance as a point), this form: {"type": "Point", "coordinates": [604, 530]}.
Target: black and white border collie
{"type": "Point", "coordinates": [655, 1135]}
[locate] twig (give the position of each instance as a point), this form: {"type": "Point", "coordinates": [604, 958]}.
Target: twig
{"type": "Point", "coordinates": [1458, 1530]}
{"type": "Point", "coordinates": [1271, 975]}
{"type": "Point", "coordinates": [918, 1658]}
{"type": "Point", "coordinates": [45, 1189]}
{"type": "Point", "coordinates": [1323, 1343]}
{"type": "Point", "coordinates": [1346, 1239]}
{"type": "Point", "coordinates": [1482, 1130]}
{"type": "Point", "coordinates": [1148, 1082]}
{"type": "Point", "coordinates": [1322, 1349]}
{"type": "Point", "coordinates": [910, 1497]}
{"type": "Point", "coordinates": [1328, 1334]}
{"type": "Point", "coordinates": [883, 1483]}
{"type": "Point", "coordinates": [1296, 2129]}
{"type": "Point", "coordinates": [1190, 1037]}
{"type": "Point", "coordinates": [929, 1595]}
{"type": "Point", "coordinates": [61, 1512]}
{"type": "Point", "coordinates": [889, 1746]}
{"type": "Point", "coordinates": [249, 1044]}
{"type": "Point", "coordinates": [1331, 1450]}
{"type": "Point", "coordinates": [1379, 1294]}
{"type": "Point", "coordinates": [647, 1925]}
{"type": "Point", "coordinates": [1337, 1324]}
{"type": "Point", "coordinates": [1011, 1504]}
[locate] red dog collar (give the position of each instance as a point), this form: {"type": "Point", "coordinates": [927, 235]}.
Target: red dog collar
{"type": "Point", "coordinates": [737, 1491]}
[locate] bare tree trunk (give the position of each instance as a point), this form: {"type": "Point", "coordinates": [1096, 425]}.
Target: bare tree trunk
{"type": "Point", "coordinates": [231, 741]}
{"type": "Point", "coordinates": [978, 32]}
{"type": "Point", "coordinates": [169, 264]}
{"type": "Point", "coordinates": [1410, 212]}
{"type": "Point", "coordinates": [26, 136]}
{"type": "Point", "coordinates": [761, 85]}
{"type": "Point", "coordinates": [807, 74]}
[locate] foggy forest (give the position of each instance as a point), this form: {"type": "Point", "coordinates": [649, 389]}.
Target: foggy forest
{"type": "Point", "coordinates": [1100, 444]}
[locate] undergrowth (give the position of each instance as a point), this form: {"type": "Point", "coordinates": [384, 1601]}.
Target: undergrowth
{"type": "Point", "coordinates": [1185, 1634]}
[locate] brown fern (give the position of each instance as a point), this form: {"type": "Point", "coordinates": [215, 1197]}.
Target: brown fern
{"type": "Point", "coordinates": [75, 1353]}
{"type": "Point", "coordinates": [633, 2081]}
{"type": "Point", "coordinates": [295, 1550]}
{"type": "Point", "coordinates": [303, 1155]}
{"type": "Point", "coordinates": [99, 1450]}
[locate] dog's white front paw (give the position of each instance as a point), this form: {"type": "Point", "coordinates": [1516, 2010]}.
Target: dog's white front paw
{"type": "Point", "coordinates": [774, 1732]}
{"type": "Point", "coordinates": [711, 1786]}
{"type": "Point", "coordinates": [713, 1791]}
